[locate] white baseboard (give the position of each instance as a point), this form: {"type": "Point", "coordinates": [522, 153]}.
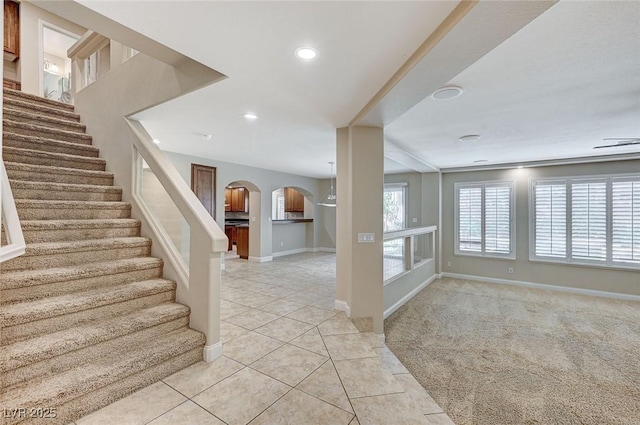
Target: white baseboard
{"type": "Point", "coordinates": [291, 252]}
{"type": "Point", "coordinates": [402, 301]}
{"type": "Point", "coordinates": [321, 249]}
{"type": "Point", "coordinates": [343, 306]}
{"type": "Point", "coordinates": [261, 259]}
{"type": "Point", "coordinates": [212, 352]}
{"type": "Point", "coordinates": [592, 292]}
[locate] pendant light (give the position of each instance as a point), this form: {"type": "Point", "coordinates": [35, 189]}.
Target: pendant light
{"type": "Point", "coordinates": [329, 199]}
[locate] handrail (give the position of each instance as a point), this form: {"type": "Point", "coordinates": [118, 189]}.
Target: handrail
{"type": "Point", "coordinates": [89, 43]}
{"type": "Point", "coordinates": [411, 231]}
{"type": "Point", "coordinates": [13, 231]}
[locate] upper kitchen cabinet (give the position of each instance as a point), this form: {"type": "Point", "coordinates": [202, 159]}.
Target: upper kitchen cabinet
{"type": "Point", "coordinates": [293, 200]}
{"type": "Point", "coordinates": [11, 30]}
{"type": "Point", "coordinates": [236, 199]}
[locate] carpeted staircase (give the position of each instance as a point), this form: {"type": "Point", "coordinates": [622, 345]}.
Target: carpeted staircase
{"type": "Point", "coordinates": [86, 316]}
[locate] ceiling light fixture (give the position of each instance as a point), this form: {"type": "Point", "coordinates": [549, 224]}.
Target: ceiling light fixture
{"type": "Point", "coordinates": [446, 93]}
{"type": "Point", "coordinates": [250, 116]}
{"type": "Point", "coordinates": [329, 199]}
{"type": "Point", "coordinates": [306, 53]}
{"type": "Point", "coordinates": [156, 141]}
{"type": "Point", "coordinates": [470, 138]}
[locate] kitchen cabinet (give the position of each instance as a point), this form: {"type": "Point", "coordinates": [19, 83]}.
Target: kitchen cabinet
{"type": "Point", "coordinates": [293, 200]}
{"type": "Point", "coordinates": [232, 235]}
{"type": "Point", "coordinates": [242, 241]}
{"type": "Point", "coordinates": [236, 199]}
{"type": "Point", "coordinates": [11, 30]}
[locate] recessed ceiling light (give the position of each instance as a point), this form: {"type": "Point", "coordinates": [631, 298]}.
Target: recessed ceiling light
{"type": "Point", "coordinates": [250, 116]}
{"type": "Point", "coordinates": [306, 53]}
{"type": "Point", "coordinates": [156, 141]}
{"type": "Point", "coordinates": [207, 136]}
{"type": "Point", "coordinates": [470, 138]}
{"type": "Point", "coordinates": [446, 93]}
{"type": "Point", "coordinates": [480, 161]}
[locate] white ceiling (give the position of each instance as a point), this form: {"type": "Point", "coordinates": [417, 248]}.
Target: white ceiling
{"type": "Point", "coordinates": [553, 90]}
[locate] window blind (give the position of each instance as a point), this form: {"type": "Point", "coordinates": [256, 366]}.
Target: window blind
{"type": "Point", "coordinates": [589, 220]}
{"type": "Point", "coordinates": [497, 219]}
{"type": "Point", "coordinates": [550, 219]}
{"type": "Point", "coordinates": [470, 219]}
{"type": "Point", "coordinates": [625, 200]}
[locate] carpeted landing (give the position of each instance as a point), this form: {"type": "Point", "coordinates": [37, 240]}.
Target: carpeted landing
{"type": "Point", "coordinates": [493, 354]}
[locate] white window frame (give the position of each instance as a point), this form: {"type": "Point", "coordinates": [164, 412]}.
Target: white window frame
{"type": "Point", "coordinates": [512, 214]}
{"type": "Point", "coordinates": [568, 259]}
{"type": "Point", "coordinates": [405, 201]}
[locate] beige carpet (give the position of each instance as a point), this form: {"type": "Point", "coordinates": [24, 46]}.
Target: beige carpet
{"type": "Point", "coordinates": [494, 354]}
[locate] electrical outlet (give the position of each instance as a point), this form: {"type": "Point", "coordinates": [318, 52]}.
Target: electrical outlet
{"type": "Point", "coordinates": [448, 263]}
{"type": "Point", "coordinates": [510, 270]}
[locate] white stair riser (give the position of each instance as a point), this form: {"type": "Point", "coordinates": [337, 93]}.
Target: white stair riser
{"type": "Point", "coordinates": [24, 331]}
{"type": "Point", "coordinates": [52, 147]}
{"type": "Point", "coordinates": [57, 259]}
{"type": "Point", "coordinates": [63, 362]}
{"type": "Point", "coordinates": [31, 293]}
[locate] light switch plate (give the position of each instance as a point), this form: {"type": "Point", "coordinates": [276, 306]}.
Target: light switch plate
{"type": "Point", "coordinates": [366, 237]}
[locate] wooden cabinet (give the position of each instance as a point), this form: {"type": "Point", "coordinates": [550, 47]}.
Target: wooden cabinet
{"type": "Point", "coordinates": [232, 235]}
{"type": "Point", "coordinates": [11, 30]}
{"type": "Point", "coordinates": [293, 200]}
{"type": "Point", "coordinates": [242, 241]}
{"type": "Point", "coordinates": [236, 199]}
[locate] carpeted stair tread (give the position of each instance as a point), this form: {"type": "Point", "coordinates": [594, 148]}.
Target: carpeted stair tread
{"type": "Point", "coordinates": [64, 191]}
{"type": "Point", "coordinates": [37, 130]}
{"type": "Point", "coordinates": [44, 120]}
{"type": "Point", "coordinates": [28, 278]}
{"type": "Point", "coordinates": [47, 346]}
{"type": "Point", "coordinates": [68, 230]}
{"type": "Point", "coordinates": [40, 108]}
{"type": "Point", "coordinates": [103, 371]}
{"type": "Point", "coordinates": [25, 141]}
{"type": "Point", "coordinates": [28, 97]}
{"type": "Point", "coordinates": [31, 156]}
{"type": "Point", "coordinates": [57, 254]}
{"type": "Point", "coordinates": [48, 173]}
{"type": "Point", "coordinates": [20, 313]}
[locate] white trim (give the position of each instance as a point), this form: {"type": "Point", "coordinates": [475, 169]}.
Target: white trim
{"type": "Point", "coordinates": [343, 306]}
{"type": "Point", "coordinates": [402, 301]}
{"type": "Point", "coordinates": [290, 252]}
{"type": "Point", "coordinates": [261, 259]}
{"type": "Point", "coordinates": [321, 249]}
{"type": "Point", "coordinates": [558, 288]}
{"type": "Point", "coordinates": [16, 245]}
{"type": "Point", "coordinates": [212, 352]}
{"type": "Point", "coordinates": [41, 26]}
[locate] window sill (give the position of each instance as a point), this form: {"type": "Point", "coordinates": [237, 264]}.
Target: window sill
{"type": "Point", "coordinates": [488, 256]}
{"type": "Point", "coordinates": [615, 266]}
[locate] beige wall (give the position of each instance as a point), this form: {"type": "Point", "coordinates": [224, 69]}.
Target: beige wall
{"type": "Point", "coordinates": [592, 278]}
{"type": "Point", "coordinates": [30, 62]}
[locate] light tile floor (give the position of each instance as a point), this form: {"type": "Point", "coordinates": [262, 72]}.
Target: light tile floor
{"type": "Point", "coordinates": [288, 358]}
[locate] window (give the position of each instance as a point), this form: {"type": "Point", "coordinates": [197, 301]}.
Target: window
{"type": "Point", "coordinates": [587, 220]}
{"type": "Point", "coordinates": [484, 219]}
{"type": "Point", "coordinates": [394, 206]}
{"type": "Point", "coordinates": [277, 205]}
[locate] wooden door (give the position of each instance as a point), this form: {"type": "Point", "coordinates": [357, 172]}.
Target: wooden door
{"type": "Point", "coordinates": [203, 184]}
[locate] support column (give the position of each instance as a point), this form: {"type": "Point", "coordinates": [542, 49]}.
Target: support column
{"type": "Point", "coordinates": [360, 187]}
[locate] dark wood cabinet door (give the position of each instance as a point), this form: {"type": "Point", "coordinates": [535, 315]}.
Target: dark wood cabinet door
{"type": "Point", "coordinates": [242, 241]}
{"type": "Point", "coordinates": [11, 30]}
{"type": "Point", "coordinates": [293, 200]}
{"type": "Point", "coordinates": [227, 199]}
{"type": "Point", "coordinates": [203, 184]}
{"type": "Point", "coordinates": [238, 199]}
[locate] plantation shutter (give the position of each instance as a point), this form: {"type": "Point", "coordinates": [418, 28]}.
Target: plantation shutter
{"type": "Point", "coordinates": [589, 220]}
{"type": "Point", "coordinates": [497, 216]}
{"type": "Point", "coordinates": [625, 194]}
{"type": "Point", "coordinates": [470, 219]}
{"type": "Point", "coordinates": [550, 215]}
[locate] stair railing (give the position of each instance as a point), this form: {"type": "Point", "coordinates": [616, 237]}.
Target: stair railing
{"type": "Point", "coordinates": [12, 229]}
{"type": "Point", "coordinates": [198, 264]}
